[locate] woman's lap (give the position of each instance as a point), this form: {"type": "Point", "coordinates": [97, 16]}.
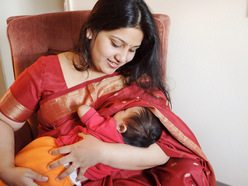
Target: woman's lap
{"type": "Point", "coordinates": [36, 156]}
{"type": "Point", "coordinates": [177, 171]}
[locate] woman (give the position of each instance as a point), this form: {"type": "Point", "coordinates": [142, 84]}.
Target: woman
{"type": "Point", "coordinates": [119, 46]}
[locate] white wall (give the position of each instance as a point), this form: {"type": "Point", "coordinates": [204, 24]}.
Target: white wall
{"type": "Point", "coordinates": [79, 4]}
{"type": "Point", "coordinates": [207, 75]}
{"type": "Point", "coordinates": [12, 8]}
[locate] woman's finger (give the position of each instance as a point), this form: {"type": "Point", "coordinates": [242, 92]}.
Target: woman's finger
{"type": "Point", "coordinates": [69, 169]}
{"type": "Point", "coordinates": [60, 150]}
{"type": "Point", "coordinates": [80, 176]}
{"type": "Point", "coordinates": [35, 176]}
{"type": "Point", "coordinates": [61, 161]}
{"type": "Point", "coordinates": [32, 184]}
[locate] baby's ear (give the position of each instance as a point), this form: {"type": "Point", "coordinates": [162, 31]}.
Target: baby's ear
{"type": "Point", "coordinates": [122, 128]}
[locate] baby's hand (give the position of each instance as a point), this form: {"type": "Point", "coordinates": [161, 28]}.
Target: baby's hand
{"type": "Point", "coordinates": [83, 109]}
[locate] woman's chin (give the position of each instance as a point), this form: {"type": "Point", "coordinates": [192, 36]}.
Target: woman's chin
{"type": "Point", "coordinates": [109, 71]}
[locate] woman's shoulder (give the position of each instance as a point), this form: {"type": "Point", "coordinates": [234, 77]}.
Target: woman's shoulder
{"type": "Point", "coordinates": [44, 64]}
{"type": "Point", "coordinates": [65, 60]}
{"type": "Point", "coordinates": [47, 62]}
{"type": "Point", "coordinates": [46, 69]}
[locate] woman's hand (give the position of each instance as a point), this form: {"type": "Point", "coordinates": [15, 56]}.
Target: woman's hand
{"type": "Point", "coordinates": [22, 176]}
{"type": "Point", "coordinates": [91, 151]}
{"type": "Point", "coordinates": [10, 174]}
{"type": "Point", "coordinates": [82, 155]}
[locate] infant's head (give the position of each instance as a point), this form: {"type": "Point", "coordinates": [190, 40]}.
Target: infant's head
{"type": "Point", "coordinates": [138, 126]}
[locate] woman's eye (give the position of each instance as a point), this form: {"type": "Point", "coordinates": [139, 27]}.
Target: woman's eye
{"type": "Point", "coordinates": [115, 45]}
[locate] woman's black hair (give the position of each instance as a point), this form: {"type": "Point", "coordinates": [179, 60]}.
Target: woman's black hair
{"type": "Point", "coordinates": [110, 15]}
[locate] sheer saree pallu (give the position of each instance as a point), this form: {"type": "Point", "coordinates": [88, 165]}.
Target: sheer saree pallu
{"type": "Point", "coordinates": [187, 165]}
{"type": "Point", "coordinates": [56, 108]}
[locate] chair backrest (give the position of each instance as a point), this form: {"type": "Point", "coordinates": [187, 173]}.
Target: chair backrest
{"type": "Point", "coordinates": [33, 36]}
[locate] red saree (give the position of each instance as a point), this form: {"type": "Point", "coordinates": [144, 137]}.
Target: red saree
{"type": "Point", "coordinates": [46, 93]}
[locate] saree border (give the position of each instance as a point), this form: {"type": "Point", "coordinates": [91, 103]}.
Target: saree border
{"type": "Point", "coordinates": [179, 135]}
{"type": "Point", "coordinates": [12, 109]}
{"type": "Point", "coordinates": [68, 103]}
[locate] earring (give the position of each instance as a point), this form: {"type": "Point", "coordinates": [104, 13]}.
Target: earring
{"type": "Point", "coordinates": [89, 34]}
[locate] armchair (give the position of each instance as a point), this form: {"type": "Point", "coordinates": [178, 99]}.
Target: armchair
{"type": "Point", "coordinates": [33, 36]}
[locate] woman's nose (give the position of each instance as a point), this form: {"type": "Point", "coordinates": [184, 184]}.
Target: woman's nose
{"type": "Point", "coordinates": [121, 56]}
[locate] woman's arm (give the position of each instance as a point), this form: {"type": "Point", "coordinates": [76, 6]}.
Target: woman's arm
{"type": "Point", "coordinates": [118, 156]}
{"type": "Point", "coordinates": [6, 146]}
{"type": "Point", "coordinates": [91, 151]}
{"type": "Point", "coordinates": [8, 171]}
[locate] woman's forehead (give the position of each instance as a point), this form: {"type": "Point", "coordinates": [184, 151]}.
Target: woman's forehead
{"type": "Point", "coordinates": [129, 36]}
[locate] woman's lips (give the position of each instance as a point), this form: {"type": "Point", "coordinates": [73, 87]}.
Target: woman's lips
{"type": "Point", "coordinates": [113, 64]}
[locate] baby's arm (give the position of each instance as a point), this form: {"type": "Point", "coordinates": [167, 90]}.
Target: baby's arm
{"type": "Point", "coordinates": [103, 128]}
{"type": "Point", "coordinates": [82, 110]}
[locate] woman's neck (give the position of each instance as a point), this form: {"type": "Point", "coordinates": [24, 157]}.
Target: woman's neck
{"type": "Point", "coordinates": [72, 76]}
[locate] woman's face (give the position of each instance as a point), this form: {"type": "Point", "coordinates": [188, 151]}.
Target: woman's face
{"type": "Point", "coordinates": [112, 49]}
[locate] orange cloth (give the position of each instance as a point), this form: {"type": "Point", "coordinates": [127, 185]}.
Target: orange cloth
{"type": "Point", "coordinates": [39, 151]}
